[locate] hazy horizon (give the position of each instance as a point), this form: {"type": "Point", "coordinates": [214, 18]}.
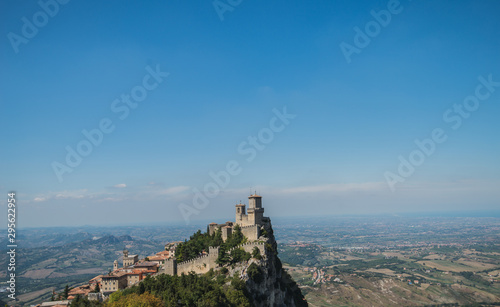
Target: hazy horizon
{"type": "Point", "coordinates": [202, 223]}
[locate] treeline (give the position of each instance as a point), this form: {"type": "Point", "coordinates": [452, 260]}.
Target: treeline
{"type": "Point", "coordinates": [475, 278]}
{"type": "Point", "coordinates": [185, 290]}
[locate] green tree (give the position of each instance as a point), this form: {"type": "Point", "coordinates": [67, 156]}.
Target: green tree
{"type": "Point", "coordinates": [223, 257]}
{"type": "Point", "coordinates": [84, 302]}
{"type": "Point", "coordinates": [136, 300]}
{"type": "Point", "coordinates": [255, 273]}
{"type": "Point", "coordinates": [142, 288]}
{"type": "Point", "coordinates": [66, 292]}
{"type": "Point", "coordinates": [216, 239]}
{"type": "Point", "coordinates": [197, 243]}
{"type": "Point", "coordinates": [239, 255]}
{"type": "Point", "coordinates": [200, 242]}
{"type": "Point", "coordinates": [236, 238]}
{"type": "Point", "coordinates": [115, 296]}
{"type": "Point", "coordinates": [256, 253]}
{"type": "Point", "coordinates": [76, 301]}
{"type": "Point", "coordinates": [237, 298]}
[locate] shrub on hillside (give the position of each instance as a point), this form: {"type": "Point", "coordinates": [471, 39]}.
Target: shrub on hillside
{"type": "Point", "coordinates": [255, 273]}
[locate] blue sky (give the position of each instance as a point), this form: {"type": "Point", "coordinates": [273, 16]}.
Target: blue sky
{"type": "Point", "coordinates": [227, 79]}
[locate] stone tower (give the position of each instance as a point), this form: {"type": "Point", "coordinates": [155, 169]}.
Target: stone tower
{"type": "Point", "coordinates": [241, 217]}
{"type": "Point", "coordinates": [115, 265]}
{"type": "Point", "coordinates": [213, 254]}
{"type": "Point", "coordinates": [255, 202]}
{"type": "Point", "coordinates": [211, 228]}
{"type": "Point", "coordinates": [255, 210]}
{"type": "Point", "coordinates": [170, 266]}
{"type": "Point", "coordinates": [226, 232]}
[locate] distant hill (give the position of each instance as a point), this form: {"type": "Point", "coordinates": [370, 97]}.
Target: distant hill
{"type": "Point", "coordinates": [110, 239]}
{"type": "Point", "coordinates": [46, 268]}
{"type": "Point", "coordinates": [48, 239]}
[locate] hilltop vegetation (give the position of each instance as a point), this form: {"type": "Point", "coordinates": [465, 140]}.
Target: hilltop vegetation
{"type": "Point", "coordinates": [211, 289]}
{"type": "Point", "coordinates": [200, 242]}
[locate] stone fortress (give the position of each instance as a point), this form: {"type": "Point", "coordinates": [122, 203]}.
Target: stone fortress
{"type": "Point", "coordinates": [251, 222]}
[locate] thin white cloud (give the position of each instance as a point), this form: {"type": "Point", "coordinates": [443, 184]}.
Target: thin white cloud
{"type": "Point", "coordinates": [336, 187]}
{"type": "Point", "coordinates": [450, 186]}
{"type": "Point", "coordinates": [172, 190]}
{"type": "Point", "coordinates": [113, 199]}
{"type": "Point", "coordinates": [118, 193]}
{"type": "Point", "coordinates": [76, 194]}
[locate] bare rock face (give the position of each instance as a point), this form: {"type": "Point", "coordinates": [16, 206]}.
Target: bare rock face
{"type": "Point", "coordinates": [266, 281]}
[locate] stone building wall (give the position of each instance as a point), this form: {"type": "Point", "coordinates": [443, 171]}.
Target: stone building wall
{"type": "Point", "coordinates": [170, 267]}
{"type": "Point", "coordinates": [252, 232]}
{"type": "Point", "coordinates": [198, 265]}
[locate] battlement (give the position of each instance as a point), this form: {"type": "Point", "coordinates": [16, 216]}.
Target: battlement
{"type": "Point", "coordinates": [248, 247]}
{"type": "Point", "coordinates": [192, 260]}
{"type": "Point", "coordinates": [199, 265]}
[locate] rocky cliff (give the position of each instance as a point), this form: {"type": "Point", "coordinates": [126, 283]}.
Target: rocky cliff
{"type": "Point", "coordinates": [267, 282]}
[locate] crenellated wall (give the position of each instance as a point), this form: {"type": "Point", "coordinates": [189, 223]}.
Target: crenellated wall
{"type": "Point", "coordinates": [248, 247]}
{"type": "Point", "coordinates": [203, 264]}
{"type": "Point", "coordinates": [198, 265]}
